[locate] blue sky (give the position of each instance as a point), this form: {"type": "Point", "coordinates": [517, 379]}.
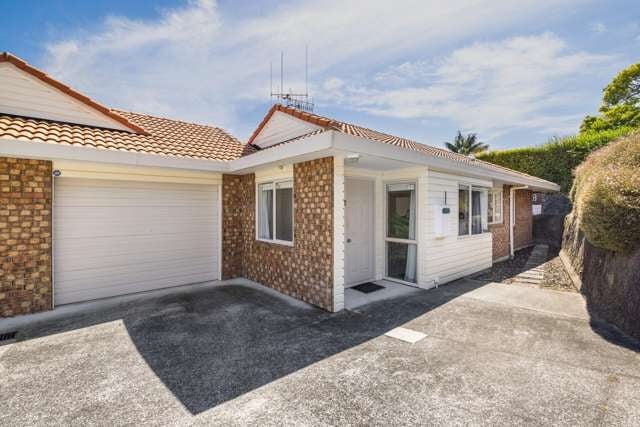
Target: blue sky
{"type": "Point", "coordinates": [515, 72]}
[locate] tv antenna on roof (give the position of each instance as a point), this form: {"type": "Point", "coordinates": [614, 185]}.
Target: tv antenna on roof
{"type": "Point", "coordinates": [300, 101]}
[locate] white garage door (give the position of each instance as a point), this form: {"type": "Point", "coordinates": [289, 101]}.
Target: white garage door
{"type": "Point", "coordinates": [120, 237]}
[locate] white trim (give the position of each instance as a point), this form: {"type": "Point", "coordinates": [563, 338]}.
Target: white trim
{"type": "Point", "coordinates": [220, 231]}
{"type": "Point", "coordinates": [293, 211]}
{"type": "Point", "coordinates": [512, 213]}
{"type": "Point", "coordinates": [338, 232]}
{"type": "Point", "coordinates": [388, 239]}
{"type": "Point", "coordinates": [11, 147]}
{"type": "Point", "coordinates": [323, 144]}
{"type": "Point", "coordinates": [470, 207]}
{"type": "Point", "coordinates": [53, 242]}
{"type": "Point", "coordinates": [355, 144]}
{"type": "Point", "coordinates": [119, 172]}
{"type": "Point", "coordinates": [493, 192]}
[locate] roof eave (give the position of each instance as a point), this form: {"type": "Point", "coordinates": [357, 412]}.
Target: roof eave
{"type": "Point", "coordinates": [16, 147]}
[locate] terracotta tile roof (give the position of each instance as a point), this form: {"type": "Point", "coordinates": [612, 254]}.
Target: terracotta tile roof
{"type": "Point", "coordinates": [19, 63]}
{"type": "Point", "coordinates": [162, 136]}
{"type": "Point", "coordinates": [373, 135]}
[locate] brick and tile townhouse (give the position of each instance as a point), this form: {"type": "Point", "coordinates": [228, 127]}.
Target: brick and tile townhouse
{"type": "Point", "coordinates": [97, 202]}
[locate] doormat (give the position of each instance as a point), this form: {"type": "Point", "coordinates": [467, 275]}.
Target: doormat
{"type": "Point", "coordinates": [367, 288]}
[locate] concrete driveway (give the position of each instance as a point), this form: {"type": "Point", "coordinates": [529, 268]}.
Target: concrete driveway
{"type": "Point", "coordinates": [238, 355]}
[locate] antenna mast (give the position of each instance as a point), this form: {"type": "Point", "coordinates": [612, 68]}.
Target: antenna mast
{"type": "Point", "coordinates": [299, 101]}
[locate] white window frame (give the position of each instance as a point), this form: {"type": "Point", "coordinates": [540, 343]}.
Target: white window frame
{"type": "Point", "coordinates": [492, 193]}
{"type": "Point", "coordinates": [293, 211]}
{"type": "Point", "coordinates": [388, 239]}
{"type": "Point", "coordinates": [472, 187]}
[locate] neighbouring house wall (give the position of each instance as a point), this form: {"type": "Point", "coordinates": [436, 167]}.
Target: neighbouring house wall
{"type": "Point", "coordinates": [304, 270]}
{"type": "Point", "coordinates": [452, 257]}
{"type": "Point", "coordinates": [548, 227]}
{"type": "Point", "coordinates": [25, 236]}
{"type": "Point", "coordinates": [609, 281]}
{"type": "Point", "coordinates": [523, 230]}
{"type": "Point", "coordinates": [501, 231]}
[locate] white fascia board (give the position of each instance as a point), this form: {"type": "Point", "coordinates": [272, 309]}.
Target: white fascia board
{"type": "Point", "coordinates": [41, 150]}
{"type": "Point", "coordinates": [314, 146]}
{"type": "Point", "coordinates": [355, 144]}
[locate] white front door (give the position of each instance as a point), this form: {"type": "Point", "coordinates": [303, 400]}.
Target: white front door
{"type": "Point", "coordinates": [358, 231]}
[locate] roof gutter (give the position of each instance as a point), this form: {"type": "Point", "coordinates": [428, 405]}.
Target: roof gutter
{"type": "Point", "coordinates": [512, 214]}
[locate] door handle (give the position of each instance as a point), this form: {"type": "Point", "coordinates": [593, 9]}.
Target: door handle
{"type": "Point", "coordinates": [348, 240]}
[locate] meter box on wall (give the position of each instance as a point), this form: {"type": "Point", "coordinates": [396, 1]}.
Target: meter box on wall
{"type": "Point", "coordinates": [442, 215]}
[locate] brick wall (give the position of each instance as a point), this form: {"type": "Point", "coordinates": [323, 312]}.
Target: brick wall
{"type": "Point", "coordinates": [304, 271]}
{"type": "Point", "coordinates": [235, 193]}
{"type": "Point", "coordinates": [501, 231]}
{"type": "Point", "coordinates": [25, 236]}
{"type": "Point", "coordinates": [523, 231]}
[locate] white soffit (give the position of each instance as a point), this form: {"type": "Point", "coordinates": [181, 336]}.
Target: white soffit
{"type": "Point", "coordinates": [282, 127]}
{"type": "Point", "coordinates": [22, 94]}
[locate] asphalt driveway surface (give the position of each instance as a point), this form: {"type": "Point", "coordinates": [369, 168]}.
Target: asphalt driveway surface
{"type": "Point", "coordinates": [237, 355]}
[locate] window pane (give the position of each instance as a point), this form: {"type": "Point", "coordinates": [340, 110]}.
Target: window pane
{"type": "Point", "coordinates": [463, 210]}
{"type": "Point", "coordinates": [284, 211]}
{"type": "Point", "coordinates": [476, 212]}
{"type": "Point", "coordinates": [401, 211]}
{"type": "Point", "coordinates": [265, 211]}
{"type": "Point", "coordinates": [498, 207]}
{"type": "Point", "coordinates": [401, 261]}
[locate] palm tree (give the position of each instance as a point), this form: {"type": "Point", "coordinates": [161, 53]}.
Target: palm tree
{"type": "Point", "coordinates": [466, 144]}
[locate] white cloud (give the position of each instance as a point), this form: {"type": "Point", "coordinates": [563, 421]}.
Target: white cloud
{"type": "Point", "coordinates": [490, 88]}
{"type": "Point", "coordinates": [196, 63]}
{"type": "Point", "coordinates": [598, 28]}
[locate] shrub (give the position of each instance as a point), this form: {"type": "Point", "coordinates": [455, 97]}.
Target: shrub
{"type": "Point", "coordinates": [606, 195]}
{"type": "Point", "coordinates": [555, 160]}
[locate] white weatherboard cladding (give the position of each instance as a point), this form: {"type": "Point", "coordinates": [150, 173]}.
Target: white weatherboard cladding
{"type": "Point", "coordinates": [119, 237]}
{"type": "Point", "coordinates": [22, 94]}
{"type": "Point", "coordinates": [452, 257]}
{"type": "Point", "coordinates": [441, 259]}
{"type": "Point", "coordinates": [282, 127]}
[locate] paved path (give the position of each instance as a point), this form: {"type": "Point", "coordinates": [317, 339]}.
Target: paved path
{"type": "Point", "coordinates": [534, 270]}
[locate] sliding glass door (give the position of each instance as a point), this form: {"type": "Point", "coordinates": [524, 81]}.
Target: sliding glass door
{"type": "Point", "coordinates": [401, 245]}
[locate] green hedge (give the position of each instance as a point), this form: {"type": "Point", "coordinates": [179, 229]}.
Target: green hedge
{"type": "Point", "coordinates": [555, 160]}
{"type": "Point", "coordinates": [606, 195]}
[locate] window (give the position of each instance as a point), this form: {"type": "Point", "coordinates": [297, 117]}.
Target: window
{"type": "Point", "coordinates": [495, 207]}
{"type": "Point", "coordinates": [275, 211]}
{"type": "Point", "coordinates": [472, 210]}
{"type": "Point", "coordinates": [401, 232]}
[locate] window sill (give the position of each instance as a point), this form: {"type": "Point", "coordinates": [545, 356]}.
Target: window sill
{"type": "Point", "coordinates": [474, 236]}
{"type": "Point", "coordinates": [276, 242]}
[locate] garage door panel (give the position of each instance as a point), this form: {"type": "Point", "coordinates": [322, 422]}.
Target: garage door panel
{"type": "Point", "coordinates": [115, 237]}
{"type": "Point", "coordinates": [118, 275]}
{"type": "Point", "coordinates": [124, 246]}
{"type": "Point", "coordinates": [138, 258]}
{"type": "Point", "coordinates": [84, 294]}
{"type": "Point", "coordinates": [163, 231]}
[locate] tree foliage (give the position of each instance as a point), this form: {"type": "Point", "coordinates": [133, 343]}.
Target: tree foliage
{"type": "Point", "coordinates": [466, 144]}
{"type": "Point", "coordinates": [555, 160]}
{"type": "Point", "coordinates": [606, 195]}
{"type": "Point", "coordinates": [620, 103]}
